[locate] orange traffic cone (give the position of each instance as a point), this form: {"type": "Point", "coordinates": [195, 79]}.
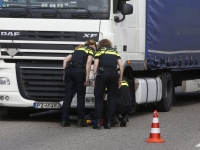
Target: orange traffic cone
{"type": "Point", "coordinates": [155, 136]}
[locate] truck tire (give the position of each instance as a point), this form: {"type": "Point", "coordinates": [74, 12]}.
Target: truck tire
{"type": "Point", "coordinates": [167, 92]}
{"type": "Point", "coordinates": [18, 114]}
{"type": "Point", "coordinates": [174, 98]}
{"type": "Point", "coordinates": [132, 92]}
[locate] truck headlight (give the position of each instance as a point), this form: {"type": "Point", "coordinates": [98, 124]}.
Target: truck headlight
{"type": "Point", "coordinates": [4, 81]}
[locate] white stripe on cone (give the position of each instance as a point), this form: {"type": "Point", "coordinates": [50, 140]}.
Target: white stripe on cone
{"type": "Point", "coordinates": [155, 130]}
{"type": "Point", "coordinates": [198, 145]}
{"type": "Point", "coordinates": [155, 120]}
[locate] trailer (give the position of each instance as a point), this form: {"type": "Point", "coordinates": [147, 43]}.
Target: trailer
{"type": "Point", "coordinates": [166, 34]}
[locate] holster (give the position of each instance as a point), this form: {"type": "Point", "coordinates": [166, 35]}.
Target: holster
{"type": "Point", "coordinates": [67, 65]}
{"type": "Point", "coordinates": [84, 70]}
{"type": "Point", "coordinates": [99, 70]}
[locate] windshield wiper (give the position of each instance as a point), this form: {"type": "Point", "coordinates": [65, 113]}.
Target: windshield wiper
{"type": "Point", "coordinates": [57, 11]}
{"type": "Point", "coordinates": [26, 9]}
{"type": "Point", "coordinates": [83, 9]}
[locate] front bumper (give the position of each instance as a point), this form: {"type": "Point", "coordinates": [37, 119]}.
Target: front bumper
{"type": "Point", "coordinates": [17, 101]}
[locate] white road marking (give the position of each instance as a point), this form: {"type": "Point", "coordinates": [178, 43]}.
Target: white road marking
{"type": "Point", "coordinates": [198, 145]}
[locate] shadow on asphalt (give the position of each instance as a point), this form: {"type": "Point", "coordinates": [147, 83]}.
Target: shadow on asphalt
{"type": "Point", "coordinates": [182, 99]}
{"type": "Point", "coordinates": [46, 116]}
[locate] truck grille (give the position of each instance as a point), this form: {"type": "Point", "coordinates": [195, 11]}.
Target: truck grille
{"type": "Point", "coordinates": [40, 45]}
{"type": "Point", "coordinates": [41, 83]}
{"type": "Point", "coordinates": [48, 35]}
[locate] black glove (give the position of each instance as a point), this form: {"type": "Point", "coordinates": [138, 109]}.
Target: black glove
{"type": "Point", "coordinates": [118, 102]}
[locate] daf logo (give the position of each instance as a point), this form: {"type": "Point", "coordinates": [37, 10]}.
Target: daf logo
{"type": "Point", "coordinates": [89, 35]}
{"type": "Point", "coordinates": [10, 33]}
{"type": "Point", "coordinates": [198, 84]}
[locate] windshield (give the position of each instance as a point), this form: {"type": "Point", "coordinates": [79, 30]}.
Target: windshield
{"type": "Point", "coordinates": [61, 8]}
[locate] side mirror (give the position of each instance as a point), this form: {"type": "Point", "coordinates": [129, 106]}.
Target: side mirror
{"type": "Point", "coordinates": [126, 9]}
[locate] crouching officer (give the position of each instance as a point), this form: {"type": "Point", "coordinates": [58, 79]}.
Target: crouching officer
{"type": "Point", "coordinates": [77, 69]}
{"type": "Point", "coordinates": [123, 105]}
{"type": "Point", "coordinates": [124, 102]}
{"type": "Point", "coordinates": [106, 60]}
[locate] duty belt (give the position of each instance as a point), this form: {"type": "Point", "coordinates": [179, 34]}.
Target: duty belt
{"type": "Point", "coordinates": [106, 68]}
{"type": "Point", "coordinates": [74, 64]}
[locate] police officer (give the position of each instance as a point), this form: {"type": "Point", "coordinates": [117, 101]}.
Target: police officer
{"type": "Point", "coordinates": [106, 75]}
{"type": "Point", "coordinates": [124, 102]}
{"type": "Point", "coordinates": [123, 105]}
{"type": "Point", "coordinates": [77, 69]}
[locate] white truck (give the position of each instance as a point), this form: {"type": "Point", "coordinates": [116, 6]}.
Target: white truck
{"type": "Point", "coordinates": [151, 36]}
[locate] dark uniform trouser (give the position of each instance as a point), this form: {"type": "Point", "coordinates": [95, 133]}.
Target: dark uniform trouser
{"type": "Point", "coordinates": [107, 79]}
{"type": "Point", "coordinates": [123, 110]}
{"type": "Point", "coordinates": [74, 80]}
{"type": "Point", "coordinates": [126, 101]}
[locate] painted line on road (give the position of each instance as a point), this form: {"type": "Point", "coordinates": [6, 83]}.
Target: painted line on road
{"type": "Point", "coordinates": [198, 145]}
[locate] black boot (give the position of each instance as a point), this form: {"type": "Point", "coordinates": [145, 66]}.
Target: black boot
{"type": "Point", "coordinates": [107, 125]}
{"type": "Point", "coordinates": [82, 123]}
{"type": "Point", "coordinates": [97, 124]}
{"type": "Point", "coordinates": [115, 121]}
{"type": "Point", "coordinates": [65, 124]}
{"type": "Point", "coordinates": [124, 120]}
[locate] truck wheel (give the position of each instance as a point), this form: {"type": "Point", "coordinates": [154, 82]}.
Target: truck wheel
{"type": "Point", "coordinates": [167, 92]}
{"type": "Point", "coordinates": [174, 98]}
{"type": "Point", "coordinates": [18, 114]}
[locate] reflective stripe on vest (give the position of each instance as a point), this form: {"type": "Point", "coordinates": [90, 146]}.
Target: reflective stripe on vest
{"type": "Point", "coordinates": [124, 83]}
{"type": "Point", "coordinates": [107, 51]}
{"type": "Point", "coordinates": [88, 51]}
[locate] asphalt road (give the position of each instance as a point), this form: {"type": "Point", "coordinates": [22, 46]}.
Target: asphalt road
{"type": "Point", "coordinates": [180, 128]}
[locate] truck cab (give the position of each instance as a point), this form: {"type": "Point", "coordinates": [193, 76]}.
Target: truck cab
{"type": "Point", "coordinates": [35, 37]}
